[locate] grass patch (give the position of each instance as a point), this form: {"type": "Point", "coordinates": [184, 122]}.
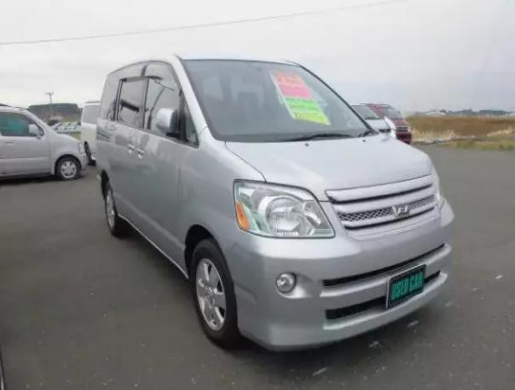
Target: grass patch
{"type": "Point", "coordinates": [498, 145]}
{"type": "Point", "coordinates": [461, 126]}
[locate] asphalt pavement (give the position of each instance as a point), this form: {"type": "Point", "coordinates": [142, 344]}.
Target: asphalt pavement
{"type": "Point", "coordinates": [80, 309]}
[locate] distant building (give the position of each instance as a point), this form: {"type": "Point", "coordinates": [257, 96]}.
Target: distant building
{"type": "Point", "coordinates": [436, 113]}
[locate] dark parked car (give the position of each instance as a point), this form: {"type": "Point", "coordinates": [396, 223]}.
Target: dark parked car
{"type": "Point", "coordinates": [403, 128]}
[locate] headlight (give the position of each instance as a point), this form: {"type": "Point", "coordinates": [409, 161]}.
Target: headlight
{"type": "Point", "coordinates": [276, 211]}
{"type": "Point", "coordinates": [81, 148]}
{"type": "Point", "coordinates": [436, 181]}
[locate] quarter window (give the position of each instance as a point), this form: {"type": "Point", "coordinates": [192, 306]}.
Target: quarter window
{"type": "Point", "coordinates": [108, 104]}
{"type": "Point", "coordinates": [131, 102]}
{"type": "Point", "coordinates": [160, 94]}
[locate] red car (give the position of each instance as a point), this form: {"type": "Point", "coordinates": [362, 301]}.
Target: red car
{"type": "Point", "coordinates": [403, 131]}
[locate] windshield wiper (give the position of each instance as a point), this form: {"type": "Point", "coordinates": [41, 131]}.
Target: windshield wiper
{"type": "Point", "coordinates": [310, 137]}
{"type": "Point", "coordinates": [367, 133]}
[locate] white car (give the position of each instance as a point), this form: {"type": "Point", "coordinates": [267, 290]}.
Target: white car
{"type": "Point", "coordinates": [88, 129]}
{"type": "Point", "coordinates": [383, 125]}
{"type": "Point", "coordinates": [28, 146]}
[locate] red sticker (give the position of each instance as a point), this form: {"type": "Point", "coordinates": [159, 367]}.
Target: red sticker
{"type": "Point", "coordinates": [292, 85]}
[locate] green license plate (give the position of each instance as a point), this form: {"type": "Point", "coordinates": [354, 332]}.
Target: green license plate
{"type": "Point", "coordinates": [405, 285]}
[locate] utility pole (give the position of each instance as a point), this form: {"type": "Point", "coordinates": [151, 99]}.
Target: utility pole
{"type": "Point", "coordinates": [50, 94]}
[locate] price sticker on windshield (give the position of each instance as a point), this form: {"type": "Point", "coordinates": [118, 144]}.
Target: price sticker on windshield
{"type": "Point", "coordinates": [298, 99]}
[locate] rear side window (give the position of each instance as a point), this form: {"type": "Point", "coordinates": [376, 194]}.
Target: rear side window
{"type": "Point", "coordinates": [108, 104]}
{"type": "Point", "coordinates": [130, 110]}
{"type": "Point", "coordinates": [14, 125]}
{"type": "Point", "coordinates": [90, 113]}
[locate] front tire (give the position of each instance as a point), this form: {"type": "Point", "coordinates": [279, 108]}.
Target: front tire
{"type": "Point", "coordinates": [213, 295]}
{"type": "Point", "coordinates": [117, 226]}
{"type": "Point", "coordinates": [67, 168]}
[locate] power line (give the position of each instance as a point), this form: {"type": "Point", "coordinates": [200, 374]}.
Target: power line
{"type": "Point", "coordinates": [202, 25]}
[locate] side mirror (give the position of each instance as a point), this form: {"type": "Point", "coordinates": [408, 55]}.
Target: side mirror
{"type": "Point", "coordinates": [34, 130]}
{"type": "Point", "coordinates": [166, 121]}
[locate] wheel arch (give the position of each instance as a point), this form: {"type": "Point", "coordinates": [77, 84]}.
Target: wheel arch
{"type": "Point", "coordinates": [104, 179]}
{"type": "Point", "coordinates": [196, 234]}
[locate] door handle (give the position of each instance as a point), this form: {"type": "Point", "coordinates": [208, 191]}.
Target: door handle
{"type": "Point", "coordinates": [8, 142]}
{"type": "Point", "coordinates": [130, 147]}
{"type": "Point", "coordinates": [140, 152]}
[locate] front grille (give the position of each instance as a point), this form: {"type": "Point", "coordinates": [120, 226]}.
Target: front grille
{"type": "Point", "coordinates": [414, 208]}
{"type": "Point", "coordinates": [377, 303]}
{"type": "Point", "coordinates": [383, 205]}
{"type": "Point", "coordinates": [402, 128]}
{"type": "Point", "coordinates": [352, 217]}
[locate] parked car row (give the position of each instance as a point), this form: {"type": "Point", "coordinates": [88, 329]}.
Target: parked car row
{"type": "Point", "coordinates": [28, 146]}
{"type": "Point", "coordinates": [297, 223]}
{"type": "Point", "coordinates": [402, 127]}
{"type": "Point", "coordinates": [386, 119]}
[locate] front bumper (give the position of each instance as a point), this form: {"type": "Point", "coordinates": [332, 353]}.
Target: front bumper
{"type": "Point", "coordinates": [341, 282]}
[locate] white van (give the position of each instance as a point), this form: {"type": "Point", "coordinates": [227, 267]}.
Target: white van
{"type": "Point", "coordinates": [88, 132]}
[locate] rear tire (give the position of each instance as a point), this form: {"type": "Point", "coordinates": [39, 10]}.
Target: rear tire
{"type": "Point", "coordinates": [213, 295]}
{"type": "Point", "coordinates": [116, 225]}
{"type": "Point", "coordinates": [67, 168]}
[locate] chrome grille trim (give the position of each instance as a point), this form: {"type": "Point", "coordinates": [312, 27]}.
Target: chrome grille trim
{"type": "Point", "coordinates": [386, 214]}
{"type": "Point", "coordinates": [363, 193]}
{"type": "Point", "coordinates": [384, 205]}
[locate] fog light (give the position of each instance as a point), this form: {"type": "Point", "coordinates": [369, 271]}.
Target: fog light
{"type": "Point", "coordinates": [286, 282]}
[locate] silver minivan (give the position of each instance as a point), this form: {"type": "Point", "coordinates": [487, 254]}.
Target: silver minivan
{"type": "Point", "coordinates": [28, 147]}
{"type": "Point", "coordinates": [296, 222]}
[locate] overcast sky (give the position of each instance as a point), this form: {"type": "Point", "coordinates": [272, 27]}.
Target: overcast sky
{"type": "Point", "coordinates": [415, 54]}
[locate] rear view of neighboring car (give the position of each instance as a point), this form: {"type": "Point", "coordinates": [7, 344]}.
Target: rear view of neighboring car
{"type": "Point", "coordinates": [382, 125]}
{"type": "Point", "coordinates": [88, 132]}
{"type": "Point", "coordinates": [403, 129]}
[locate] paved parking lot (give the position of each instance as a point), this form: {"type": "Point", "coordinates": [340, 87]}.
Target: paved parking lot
{"type": "Point", "coordinates": [82, 310]}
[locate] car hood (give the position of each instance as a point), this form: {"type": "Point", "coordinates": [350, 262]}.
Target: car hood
{"type": "Point", "coordinates": [335, 164]}
{"type": "Point", "coordinates": [67, 138]}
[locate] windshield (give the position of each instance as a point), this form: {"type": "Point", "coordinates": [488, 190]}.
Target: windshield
{"type": "Point", "coordinates": [365, 112]}
{"type": "Point", "coordinates": [248, 101]}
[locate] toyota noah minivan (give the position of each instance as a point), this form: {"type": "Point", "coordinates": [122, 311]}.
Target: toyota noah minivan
{"type": "Point", "coordinates": [297, 224]}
